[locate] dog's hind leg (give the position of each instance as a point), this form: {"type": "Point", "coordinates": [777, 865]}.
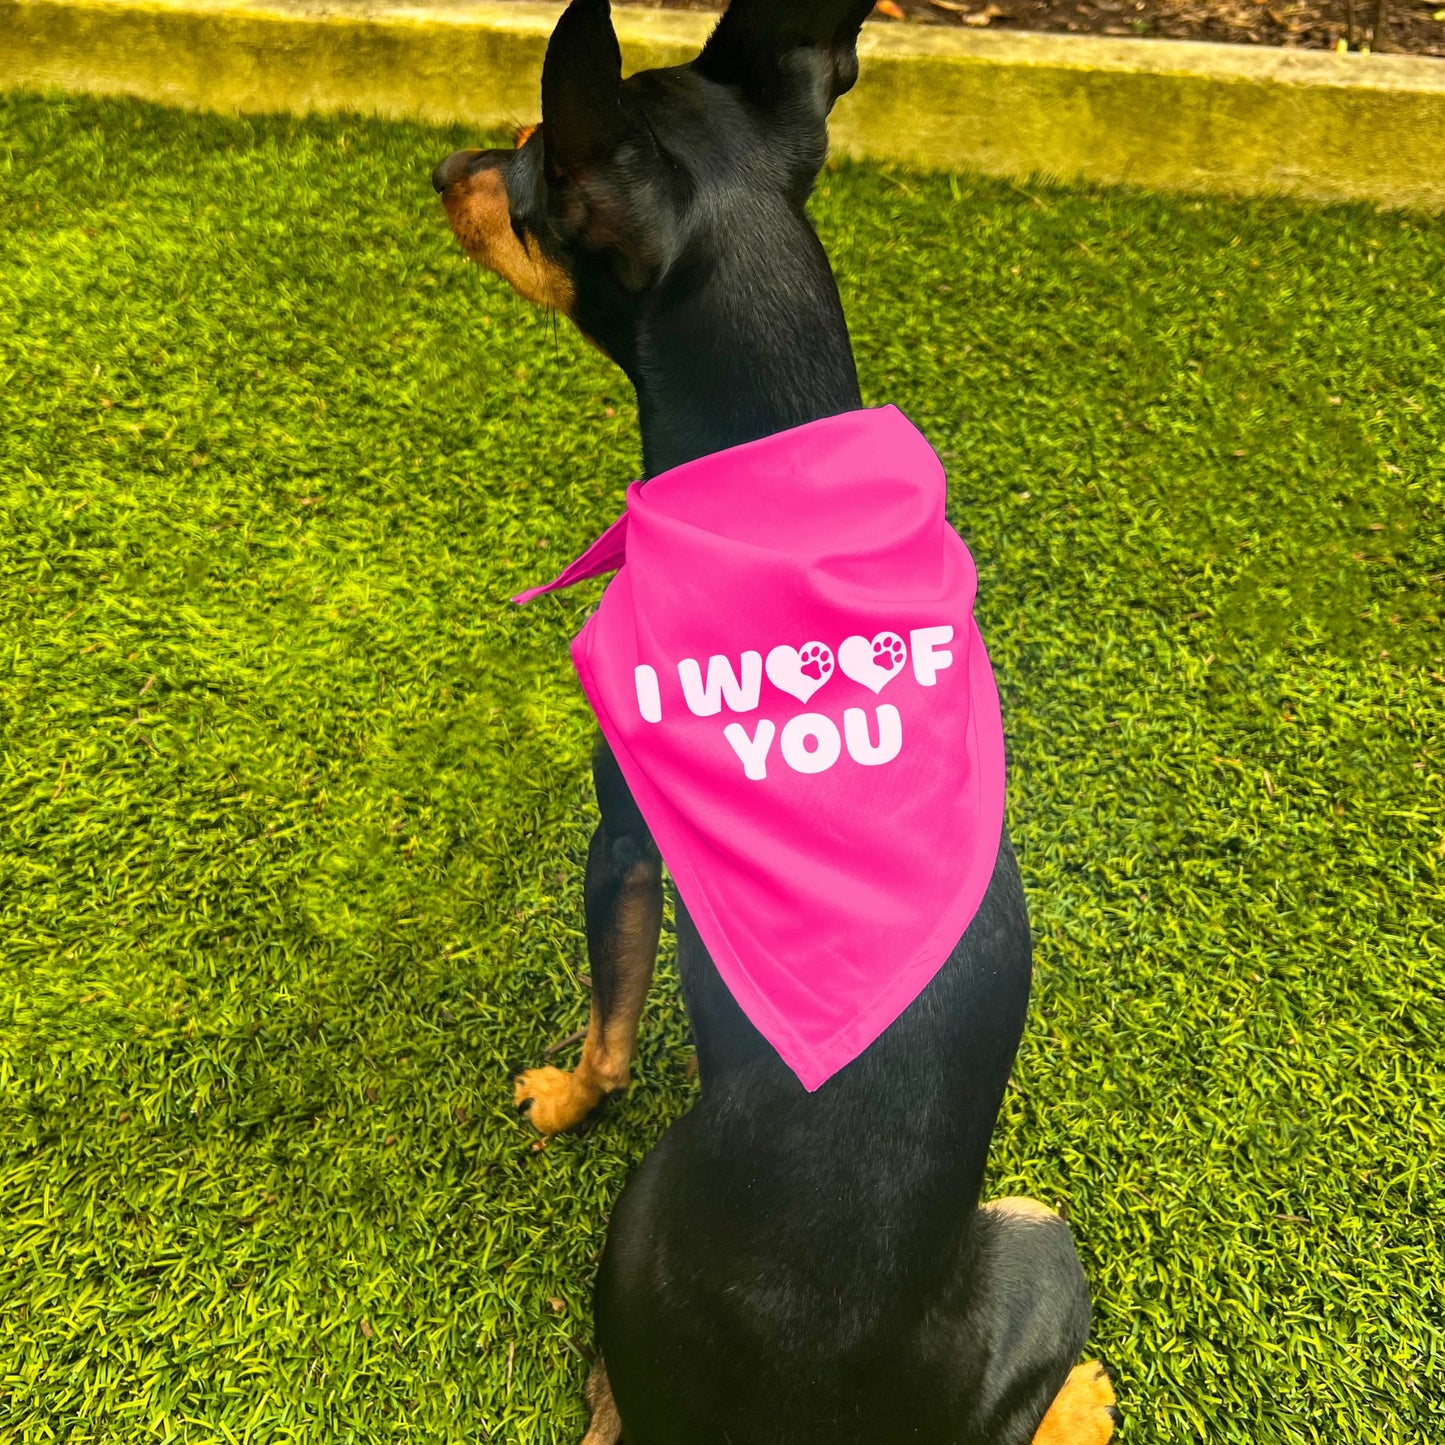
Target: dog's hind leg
{"type": "Point", "coordinates": [622, 897]}
{"type": "Point", "coordinates": [1034, 1294]}
{"type": "Point", "coordinates": [1010, 1331]}
{"type": "Point", "coordinates": [606, 1426]}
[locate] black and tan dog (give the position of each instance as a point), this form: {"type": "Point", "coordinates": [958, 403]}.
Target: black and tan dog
{"type": "Point", "coordinates": [785, 1268]}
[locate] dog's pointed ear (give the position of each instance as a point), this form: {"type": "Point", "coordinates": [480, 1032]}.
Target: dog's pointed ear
{"type": "Point", "coordinates": [587, 125]}
{"type": "Point", "coordinates": [582, 121]}
{"type": "Point", "coordinates": [757, 44]}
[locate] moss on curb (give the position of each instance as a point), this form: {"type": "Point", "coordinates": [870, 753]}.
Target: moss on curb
{"type": "Point", "coordinates": [1165, 114]}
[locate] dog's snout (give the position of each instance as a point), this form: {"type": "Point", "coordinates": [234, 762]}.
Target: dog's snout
{"type": "Point", "coordinates": [456, 167]}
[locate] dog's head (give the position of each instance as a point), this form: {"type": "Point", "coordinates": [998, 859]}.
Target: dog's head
{"type": "Point", "coordinates": [693, 172]}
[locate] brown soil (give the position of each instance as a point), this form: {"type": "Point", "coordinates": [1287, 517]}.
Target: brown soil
{"type": "Point", "coordinates": [1404, 26]}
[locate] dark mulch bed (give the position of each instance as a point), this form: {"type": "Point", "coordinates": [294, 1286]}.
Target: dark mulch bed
{"type": "Point", "coordinates": [1404, 26]}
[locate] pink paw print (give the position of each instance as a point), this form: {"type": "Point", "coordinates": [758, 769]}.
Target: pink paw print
{"type": "Point", "coordinates": [816, 661]}
{"type": "Point", "coordinates": [888, 651]}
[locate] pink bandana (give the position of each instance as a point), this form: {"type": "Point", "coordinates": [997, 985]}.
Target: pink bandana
{"type": "Point", "coordinates": [788, 670]}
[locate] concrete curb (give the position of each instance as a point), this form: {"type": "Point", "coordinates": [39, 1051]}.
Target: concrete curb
{"type": "Point", "coordinates": [1163, 114]}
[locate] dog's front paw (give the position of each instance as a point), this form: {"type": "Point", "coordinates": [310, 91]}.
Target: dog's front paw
{"type": "Point", "coordinates": [1084, 1412]}
{"type": "Point", "coordinates": [556, 1100]}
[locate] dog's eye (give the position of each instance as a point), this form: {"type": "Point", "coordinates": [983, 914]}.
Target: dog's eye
{"type": "Point", "coordinates": [522, 135]}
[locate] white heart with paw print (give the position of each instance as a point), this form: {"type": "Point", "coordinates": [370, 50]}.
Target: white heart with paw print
{"type": "Point", "coordinates": [800, 671]}
{"type": "Point", "coordinates": [873, 661]}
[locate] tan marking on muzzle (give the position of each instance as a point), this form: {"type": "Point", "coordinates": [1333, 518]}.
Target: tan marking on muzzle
{"type": "Point", "coordinates": [481, 220]}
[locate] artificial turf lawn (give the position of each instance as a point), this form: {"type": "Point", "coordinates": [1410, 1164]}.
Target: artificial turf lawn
{"type": "Point", "coordinates": [294, 804]}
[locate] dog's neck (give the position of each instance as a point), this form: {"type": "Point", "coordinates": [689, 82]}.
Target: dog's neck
{"type": "Point", "coordinates": [756, 349]}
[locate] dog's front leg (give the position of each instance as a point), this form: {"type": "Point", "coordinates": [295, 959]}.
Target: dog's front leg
{"type": "Point", "coordinates": [622, 897]}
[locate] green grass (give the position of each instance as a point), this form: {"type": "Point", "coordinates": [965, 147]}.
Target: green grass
{"type": "Point", "coordinates": [293, 804]}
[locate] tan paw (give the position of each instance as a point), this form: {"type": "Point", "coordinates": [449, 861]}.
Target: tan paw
{"type": "Point", "coordinates": [555, 1100]}
{"type": "Point", "coordinates": [1084, 1412]}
